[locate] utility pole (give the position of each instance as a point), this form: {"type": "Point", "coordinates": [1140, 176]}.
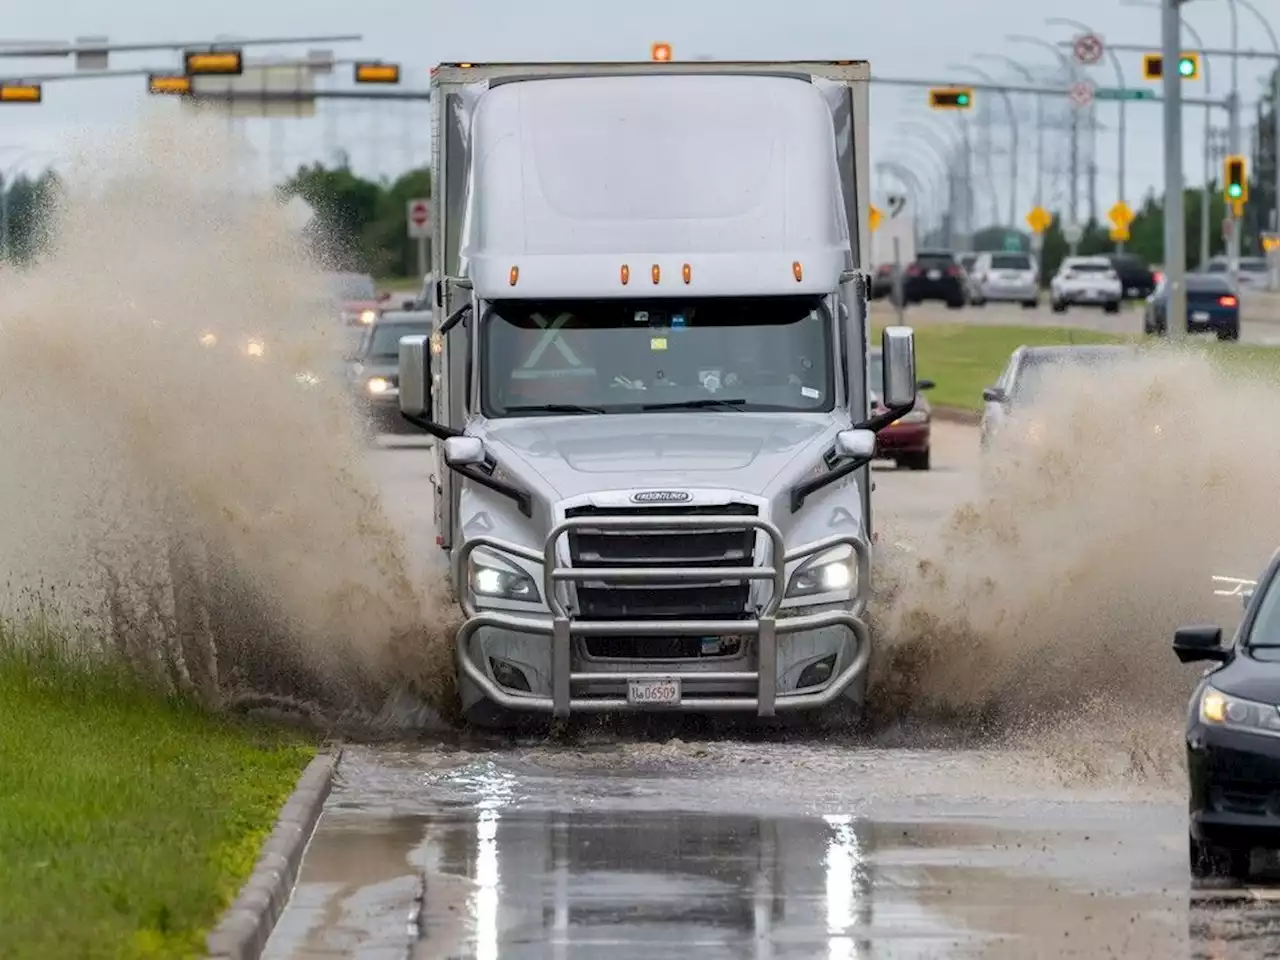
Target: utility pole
{"type": "Point", "coordinates": [1175, 254]}
{"type": "Point", "coordinates": [1233, 242]}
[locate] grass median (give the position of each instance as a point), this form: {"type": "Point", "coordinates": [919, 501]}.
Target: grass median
{"type": "Point", "coordinates": [128, 819]}
{"type": "Point", "coordinates": [962, 359]}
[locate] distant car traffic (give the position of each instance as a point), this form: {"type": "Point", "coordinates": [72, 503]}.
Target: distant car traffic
{"type": "Point", "coordinates": [1253, 272]}
{"type": "Point", "coordinates": [1006, 278]}
{"type": "Point", "coordinates": [882, 281]}
{"type": "Point", "coordinates": [1022, 381]}
{"type": "Point", "coordinates": [357, 296]}
{"type": "Point", "coordinates": [1233, 736]}
{"type": "Point", "coordinates": [967, 260]}
{"type": "Point", "coordinates": [1085, 282]}
{"type": "Point", "coordinates": [1213, 306]}
{"type": "Point", "coordinates": [936, 275]}
{"type": "Point", "coordinates": [1137, 281]}
{"type": "Point", "coordinates": [906, 441]}
{"type": "Point", "coordinates": [374, 371]}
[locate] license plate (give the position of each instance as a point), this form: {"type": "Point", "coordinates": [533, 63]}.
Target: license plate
{"type": "Point", "coordinates": [935, 274]}
{"type": "Point", "coordinates": [1199, 316]}
{"type": "Point", "coordinates": [665, 692]}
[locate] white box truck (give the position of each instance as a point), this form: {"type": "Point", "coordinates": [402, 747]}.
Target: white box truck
{"type": "Point", "coordinates": [648, 383]}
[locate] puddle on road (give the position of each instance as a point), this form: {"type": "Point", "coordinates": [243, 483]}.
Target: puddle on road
{"type": "Point", "coordinates": [475, 853]}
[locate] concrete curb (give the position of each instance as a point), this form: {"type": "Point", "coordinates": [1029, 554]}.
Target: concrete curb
{"type": "Point", "coordinates": [244, 929]}
{"type": "Point", "coordinates": [957, 415]}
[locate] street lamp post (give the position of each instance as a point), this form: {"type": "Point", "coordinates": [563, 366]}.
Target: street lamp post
{"type": "Point", "coordinates": [944, 150]}
{"type": "Point", "coordinates": [1013, 153]}
{"type": "Point", "coordinates": [1120, 84]}
{"type": "Point", "coordinates": [1031, 80]}
{"type": "Point", "coordinates": [1070, 67]}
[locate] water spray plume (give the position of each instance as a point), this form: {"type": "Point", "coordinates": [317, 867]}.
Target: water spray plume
{"type": "Point", "coordinates": [183, 459]}
{"type": "Point", "coordinates": [1045, 609]}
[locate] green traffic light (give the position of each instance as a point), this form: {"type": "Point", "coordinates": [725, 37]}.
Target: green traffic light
{"type": "Point", "coordinates": [963, 99]}
{"type": "Point", "coordinates": [1187, 67]}
{"type": "Point", "coordinates": [1234, 191]}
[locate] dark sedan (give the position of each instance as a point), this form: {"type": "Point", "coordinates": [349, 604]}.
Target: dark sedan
{"type": "Point", "coordinates": [1137, 282]}
{"type": "Point", "coordinates": [1233, 736]}
{"type": "Point", "coordinates": [1213, 306]}
{"type": "Point", "coordinates": [936, 275]}
{"type": "Point", "coordinates": [374, 371]}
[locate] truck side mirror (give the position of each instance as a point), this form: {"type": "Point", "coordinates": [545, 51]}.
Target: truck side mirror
{"type": "Point", "coordinates": [898, 348]}
{"type": "Point", "coordinates": [858, 444]}
{"type": "Point", "coordinates": [993, 395]}
{"type": "Point", "coordinates": [464, 451]}
{"type": "Point", "coordinates": [415, 379]}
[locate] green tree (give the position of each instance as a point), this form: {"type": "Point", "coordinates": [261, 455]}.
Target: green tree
{"type": "Point", "coordinates": [346, 206]}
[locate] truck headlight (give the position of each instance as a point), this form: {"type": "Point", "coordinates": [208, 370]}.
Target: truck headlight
{"type": "Point", "coordinates": [836, 570]}
{"type": "Point", "coordinates": [1218, 709]}
{"type": "Point", "coordinates": [368, 316]}
{"type": "Point", "coordinates": [490, 580]}
{"type": "Point", "coordinates": [914, 416]}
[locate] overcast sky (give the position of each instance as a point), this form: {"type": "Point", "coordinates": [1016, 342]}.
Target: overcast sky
{"type": "Point", "coordinates": [902, 38]}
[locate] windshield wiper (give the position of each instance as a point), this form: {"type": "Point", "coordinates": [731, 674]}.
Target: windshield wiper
{"type": "Point", "coordinates": [695, 404]}
{"type": "Point", "coordinates": [552, 408]}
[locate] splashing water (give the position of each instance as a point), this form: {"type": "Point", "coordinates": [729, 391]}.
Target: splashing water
{"type": "Point", "coordinates": [1045, 608]}
{"type": "Point", "coordinates": [200, 504]}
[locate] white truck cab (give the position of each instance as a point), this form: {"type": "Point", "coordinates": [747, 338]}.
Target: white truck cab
{"type": "Point", "coordinates": [648, 381]}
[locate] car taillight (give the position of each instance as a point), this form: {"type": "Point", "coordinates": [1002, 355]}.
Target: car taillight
{"type": "Point", "coordinates": [884, 269]}
{"type": "Point", "coordinates": [913, 271]}
{"type": "Point", "coordinates": [1158, 277]}
{"type": "Point", "coordinates": [1228, 302]}
{"type": "Point", "coordinates": [953, 271]}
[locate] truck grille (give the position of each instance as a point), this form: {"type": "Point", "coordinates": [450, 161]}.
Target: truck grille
{"type": "Point", "coordinates": [665, 548]}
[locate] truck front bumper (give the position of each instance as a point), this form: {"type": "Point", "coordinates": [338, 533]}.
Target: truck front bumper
{"type": "Point", "coordinates": [827, 649]}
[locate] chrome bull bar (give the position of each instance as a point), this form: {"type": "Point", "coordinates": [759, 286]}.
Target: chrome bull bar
{"type": "Point", "coordinates": [562, 628]}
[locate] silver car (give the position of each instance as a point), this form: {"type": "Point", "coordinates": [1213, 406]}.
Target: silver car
{"type": "Point", "coordinates": [1253, 271]}
{"type": "Point", "coordinates": [1007, 278]}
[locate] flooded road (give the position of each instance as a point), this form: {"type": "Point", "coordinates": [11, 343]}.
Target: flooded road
{"type": "Point", "coordinates": [685, 843]}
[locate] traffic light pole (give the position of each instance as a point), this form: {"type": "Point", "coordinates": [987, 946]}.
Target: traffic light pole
{"type": "Point", "coordinates": [1175, 235]}
{"type": "Point", "coordinates": [1233, 242]}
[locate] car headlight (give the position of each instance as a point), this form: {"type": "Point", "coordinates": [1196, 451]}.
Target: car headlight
{"type": "Point", "coordinates": [306, 378]}
{"type": "Point", "coordinates": [489, 580]}
{"type": "Point", "coordinates": [378, 386]}
{"type": "Point", "coordinates": [914, 416]}
{"type": "Point", "coordinates": [255, 348]}
{"type": "Point", "coordinates": [208, 340]}
{"type": "Point", "coordinates": [1218, 709]}
{"type": "Point", "coordinates": [368, 316]}
{"type": "Point", "coordinates": [836, 570]}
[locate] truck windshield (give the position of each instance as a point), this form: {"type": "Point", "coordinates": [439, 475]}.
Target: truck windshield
{"type": "Point", "coordinates": [629, 356]}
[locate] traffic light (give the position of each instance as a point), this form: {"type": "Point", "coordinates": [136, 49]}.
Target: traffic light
{"type": "Point", "coordinates": [20, 93]}
{"type": "Point", "coordinates": [1235, 179]}
{"type": "Point", "coordinates": [172, 85]}
{"type": "Point", "coordinates": [213, 62]}
{"type": "Point", "coordinates": [377, 72]}
{"type": "Point", "coordinates": [1188, 66]}
{"type": "Point", "coordinates": [951, 99]}
{"type": "Point", "coordinates": [660, 52]}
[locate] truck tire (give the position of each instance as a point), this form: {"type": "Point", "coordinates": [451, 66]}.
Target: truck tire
{"type": "Point", "coordinates": [1208, 861]}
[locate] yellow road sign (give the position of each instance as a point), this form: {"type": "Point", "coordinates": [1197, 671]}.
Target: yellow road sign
{"type": "Point", "coordinates": [876, 216]}
{"type": "Point", "coordinates": [1119, 234]}
{"type": "Point", "coordinates": [1120, 214]}
{"type": "Point", "coordinates": [1039, 219]}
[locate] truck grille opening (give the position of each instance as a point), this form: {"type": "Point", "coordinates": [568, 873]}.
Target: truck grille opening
{"type": "Point", "coordinates": [670, 548]}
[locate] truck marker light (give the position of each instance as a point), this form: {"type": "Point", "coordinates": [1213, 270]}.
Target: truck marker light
{"type": "Point", "coordinates": [687, 272]}
{"type": "Point", "coordinates": [798, 271]}
{"type": "Point", "coordinates": [515, 276]}
{"type": "Point", "coordinates": [656, 273]}
{"type": "Point", "coordinates": [626, 274]}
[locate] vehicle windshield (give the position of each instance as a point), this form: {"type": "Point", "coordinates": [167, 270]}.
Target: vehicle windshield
{"type": "Point", "coordinates": [1010, 261]}
{"type": "Point", "coordinates": [382, 342]}
{"type": "Point", "coordinates": [937, 260]}
{"type": "Point", "coordinates": [352, 286]}
{"type": "Point", "coordinates": [1087, 266]}
{"type": "Point", "coordinates": [1036, 369]}
{"type": "Point", "coordinates": [1265, 632]}
{"type": "Point", "coordinates": [628, 356]}
{"type": "Point", "coordinates": [1208, 283]}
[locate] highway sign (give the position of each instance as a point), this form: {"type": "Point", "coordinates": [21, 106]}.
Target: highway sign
{"type": "Point", "coordinates": [1119, 234]}
{"type": "Point", "coordinates": [1115, 93]}
{"type": "Point", "coordinates": [1088, 48]}
{"type": "Point", "coordinates": [876, 217]}
{"type": "Point", "coordinates": [1081, 94]}
{"type": "Point", "coordinates": [1120, 214]}
{"type": "Point", "coordinates": [419, 218]}
{"type": "Point", "coordinates": [1072, 233]}
{"type": "Point", "coordinates": [1039, 219]}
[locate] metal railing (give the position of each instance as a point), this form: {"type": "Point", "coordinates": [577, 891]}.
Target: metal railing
{"type": "Point", "coordinates": [562, 627]}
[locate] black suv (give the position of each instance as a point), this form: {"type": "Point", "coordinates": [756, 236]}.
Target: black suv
{"type": "Point", "coordinates": [936, 275]}
{"type": "Point", "coordinates": [1137, 282]}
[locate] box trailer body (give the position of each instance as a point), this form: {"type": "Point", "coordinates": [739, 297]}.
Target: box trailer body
{"type": "Point", "coordinates": [637, 511]}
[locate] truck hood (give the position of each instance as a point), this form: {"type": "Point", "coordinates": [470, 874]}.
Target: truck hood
{"type": "Point", "coordinates": [577, 455]}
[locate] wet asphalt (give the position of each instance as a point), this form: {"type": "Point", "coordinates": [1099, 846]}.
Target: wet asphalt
{"type": "Point", "coordinates": [684, 842]}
